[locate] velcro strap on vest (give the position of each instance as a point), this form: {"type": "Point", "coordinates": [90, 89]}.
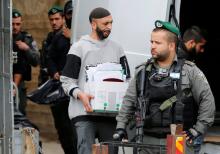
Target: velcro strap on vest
{"type": "Point", "coordinates": [168, 103]}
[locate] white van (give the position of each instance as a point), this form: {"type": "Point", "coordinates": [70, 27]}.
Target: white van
{"type": "Point", "coordinates": [133, 21]}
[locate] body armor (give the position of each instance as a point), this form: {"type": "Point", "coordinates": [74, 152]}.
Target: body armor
{"type": "Point", "coordinates": [22, 66]}
{"type": "Point", "coordinates": [160, 86]}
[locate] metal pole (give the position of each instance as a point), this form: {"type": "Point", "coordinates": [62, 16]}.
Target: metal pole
{"type": "Point", "coordinates": [6, 105]}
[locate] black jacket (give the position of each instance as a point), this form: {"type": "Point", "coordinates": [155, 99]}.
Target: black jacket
{"type": "Point", "coordinates": [57, 51]}
{"type": "Point", "coordinates": [25, 59]}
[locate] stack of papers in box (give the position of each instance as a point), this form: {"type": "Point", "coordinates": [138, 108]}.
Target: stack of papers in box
{"type": "Point", "coordinates": [108, 95]}
{"type": "Point", "coordinates": [104, 71]}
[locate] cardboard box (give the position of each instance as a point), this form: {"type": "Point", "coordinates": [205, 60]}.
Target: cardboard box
{"type": "Point", "coordinates": [108, 96]}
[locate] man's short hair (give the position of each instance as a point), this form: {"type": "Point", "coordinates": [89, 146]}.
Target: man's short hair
{"type": "Point", "coordinates": [55, 9]}
{"type": "Point", "coordinates": [194, 33]}
{"type": "Point", "coordinates": [98, 13]}
{"type": "Point", "coordinates": [16, 13]}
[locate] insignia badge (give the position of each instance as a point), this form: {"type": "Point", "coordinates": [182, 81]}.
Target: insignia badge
{"type": "Point", "coordinates": [158, 24]}
{"type": "Point", "coordinates": [53, 10]}
{"type": "Point", "coordinates": [16, 14]}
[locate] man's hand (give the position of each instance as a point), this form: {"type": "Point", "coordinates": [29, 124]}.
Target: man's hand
{"type": "Point", "coordinates": [56, 76]}
{"type": "Point", "coordinates": [67, 32]}
{"type": "Point", "coordinates": [85, 98]}
{"type": "Point", "coordinates": [191, 134]}
{"type": "Point", "coordinates": [120, 134]}
{"type": "Point", "coordinates": [22, 46]}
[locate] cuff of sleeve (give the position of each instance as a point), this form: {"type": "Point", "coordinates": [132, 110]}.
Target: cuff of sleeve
{"type": "Point", "coordinates": [75, 92]}
{"type": "Point", "coordinates": [200, 127]}
{"type": "Point", "coordinates": [121, 125]}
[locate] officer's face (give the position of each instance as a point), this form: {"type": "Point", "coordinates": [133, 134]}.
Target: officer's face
{"type": "Point", "coordinates": [16, 25]}
{"type": "Point", "coordinates": [102, 26]}
{"type": "Point", "coordinates": [160, 46]}
{"type": "Point", "coordinates": [56, 21]}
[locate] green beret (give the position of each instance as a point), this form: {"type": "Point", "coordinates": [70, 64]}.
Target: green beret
{"type": "Point", "coordinates": [168, 26]}
{"type": "Point", "coordinates": [55, 9]}
{"type": "Point", "coordinates": [16, 13]}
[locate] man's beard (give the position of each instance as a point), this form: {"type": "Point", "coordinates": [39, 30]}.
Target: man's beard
{"type": "Point", "coordinates": [101, 34]}
{"type": "Point", "coordinates": [192, 54]}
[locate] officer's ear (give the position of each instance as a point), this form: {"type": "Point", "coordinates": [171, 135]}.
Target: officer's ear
{"type": "Point", "coordinates": [172, 46]}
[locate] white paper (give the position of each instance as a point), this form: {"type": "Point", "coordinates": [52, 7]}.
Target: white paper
{"type": "Point", "coordinates": [104, 71]}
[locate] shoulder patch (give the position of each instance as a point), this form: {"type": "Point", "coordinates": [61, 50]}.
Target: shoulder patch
{"type": "Point", "coordinates": [189, 63]}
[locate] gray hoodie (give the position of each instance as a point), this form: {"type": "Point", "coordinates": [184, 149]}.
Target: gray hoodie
{"type": "Point", "coordinates": [87, 51]}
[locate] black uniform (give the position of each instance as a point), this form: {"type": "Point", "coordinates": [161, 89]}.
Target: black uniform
{"type": "Point", "coordinates": [25, 59]}
{"type": "Point", "coordinates": [44, 76]}
{"type": "Point", "coordinates": [193, 106]}
{"type": "Point", "coordinates": [56, 59]}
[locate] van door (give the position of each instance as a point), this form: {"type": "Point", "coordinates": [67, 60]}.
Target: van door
{"type": "Point", "coordinates": [133, 22]}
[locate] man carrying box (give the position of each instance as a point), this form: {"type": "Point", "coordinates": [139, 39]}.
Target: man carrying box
{"type": "Point", "coordinates": [90, 50]}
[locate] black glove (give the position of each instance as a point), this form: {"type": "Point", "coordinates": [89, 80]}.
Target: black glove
{"type": "Point", "coordinates": [191, 134]}
{"type": "Point", "coordinates": [120, 134]}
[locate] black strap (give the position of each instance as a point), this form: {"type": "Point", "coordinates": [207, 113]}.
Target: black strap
{"type": "Point", "coordinates": [172, 13]}
{"type": "Point", "coordinates": [179, 67]}
{"type": "Point", "coordinates": [142, 78]}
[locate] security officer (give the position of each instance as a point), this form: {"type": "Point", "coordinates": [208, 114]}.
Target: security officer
{"type": "Point", "coordinates": [27, 55]}
{"type": "Point", "coordinates": [66, 31]}
{"type": "Point", "coordinates": [175, 91]}
{"type": "Point", "coordinates": [58, 46]}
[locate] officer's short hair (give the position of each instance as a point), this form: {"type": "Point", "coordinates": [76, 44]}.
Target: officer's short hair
{"type": "Point", "coordinates": [16, 13]}
{"type": "Point", "coordinates": [194, 33]}
{"type": "Point", "coordinates": [55, 9]}
{"type": "Point", "coordinates": [171, 36]}
{"type": "Point", "coordinates": [98, 13]}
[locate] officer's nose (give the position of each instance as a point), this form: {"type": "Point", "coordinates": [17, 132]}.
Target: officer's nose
{"type": "Point", "coordinates": [153, 45]}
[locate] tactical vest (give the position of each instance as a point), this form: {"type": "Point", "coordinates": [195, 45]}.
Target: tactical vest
{"type": "Point", "coordinates": [166, 87]}
{"type": "Point", "coordinates": [22, 60]}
